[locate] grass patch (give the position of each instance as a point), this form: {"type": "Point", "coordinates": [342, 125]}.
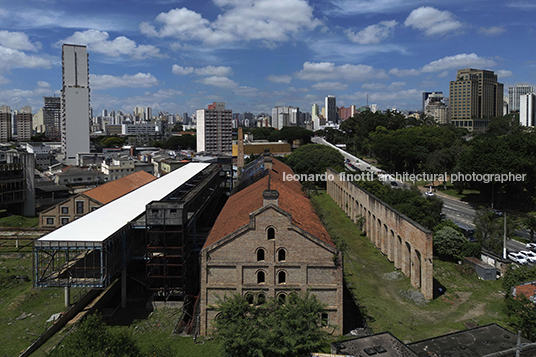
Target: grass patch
{"type": "Point", "coordinates": [19, 221]}
{"type": "Point", "coordinates": [386, 293]}
{"type": "Point", "coordinates": [18, 297]}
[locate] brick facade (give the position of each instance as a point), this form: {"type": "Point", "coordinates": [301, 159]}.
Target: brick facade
{"type": "Point", "coordinates": [274, 253]}
{"type": "Point", "coordinates": [405, 243]}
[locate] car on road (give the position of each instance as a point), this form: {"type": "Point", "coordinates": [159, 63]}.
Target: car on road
{"type": "Point", "coordinates": [394, 183]}
{"type": "Point", "coordinates": [531, 246]}
{"type": "Point", "coordinates": [517, 258]}
{"type": "Point", "coordinates": [530, 256]}
{"type": "Point", "coordinates": [429, 194]}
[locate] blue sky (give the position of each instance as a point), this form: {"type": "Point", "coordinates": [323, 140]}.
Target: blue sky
{"type": "Point", "coordinates": [179, 56]}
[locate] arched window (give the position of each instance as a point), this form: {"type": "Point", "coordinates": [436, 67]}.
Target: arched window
{"type": "Point", "coordinates": [271, 233]}
{"type": "Point", "coordinates": [250, 298]}
{"type": "Point", "coordinates": [261, 277]}
{"type": "Point", "coordinates": [260, 254]}
{"type": "Point", "coordinates": [281, 298]}
{"type": "Point", "coordinates": [281, 255]}
{"type": "Point", "coordinates": [261, 299]}
{"type": "Point", "coordinates": [281, 277]}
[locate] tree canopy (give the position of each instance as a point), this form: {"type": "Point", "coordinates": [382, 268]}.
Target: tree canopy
{"type": "Point", "coordinates": [314, 159]}
{"type": "Point", "coordinates": [293, 327]}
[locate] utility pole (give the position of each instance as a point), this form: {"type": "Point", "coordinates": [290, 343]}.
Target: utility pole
{"type": "Point", "coordinates": [504, 248]}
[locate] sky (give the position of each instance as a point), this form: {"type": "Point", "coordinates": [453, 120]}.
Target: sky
{"type": "Point", "coordinates": [181, 55]}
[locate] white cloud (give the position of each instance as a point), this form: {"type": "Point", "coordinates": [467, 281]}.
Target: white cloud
{"type": "Point", "coordinates": [373, 86]}
{"type": "Point", "coordinates": [270, 21]}
{"type": "Point", "coordinates": [219, 71]}
{"type": "Point", "coordinates": [10, 58]}
{"type": "Point", "coordinates": [320, 71]}
{"type": "Point", "coordinates": [502, 73]}
{"type": "Point", "coordinates": [181, 71]}
{"type": "Point", "coordinates": [97, 41]}
{"type": "Point", "coordinates": [494, 30]}
{"type": "Point", "coordinates": [443, 74]}
{"type": "Point", "coordinates": [217, 81]}
{"type": "Point", "coordinates": [432, 21]}
{"type": "Point", "coordinates": [351, 7]}
{"type": "Point", "coordinates": [330, 86]}
{"type": "Point", "coordinates": [17, 41]}
{"type": "Point", "coordinates": [106, 81]}
{"type": "Point", "coordinates": [462, 60]}
{"type": "Point", "coordinates": [18, 98]}
{"type": "Point", "coordinates": [373, 34]}
{"type": "Point", "coordinates": [404, 72]}
{"type": "Point", "coordinates": [280, 79]}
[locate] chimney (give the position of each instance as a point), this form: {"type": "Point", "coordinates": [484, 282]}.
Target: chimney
{"type": "Point", "coordinates": [267, 159]}
{"type": "Point", "coordinates": [270, 197]}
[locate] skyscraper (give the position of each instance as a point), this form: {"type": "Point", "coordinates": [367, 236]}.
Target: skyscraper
{"type": "Point", "coordinates": [214, 129]}
{"type": "Point", "coordinates": [527, 109]}
{"type": "Point", "coordinates": [5, 124]}
{"type": "Point", "coordinates": [514, 94]}
{"type": "Point", "coordinates": [285, 116]}
{"type": "Point", "coordinates": [52, 117]}
{"type": "Point", "coordinates": [331, 109]}
{"type": "Point", "coordinates": [24, 124]}
{"type": "Point", "coordinates": [475, 98]}
{"type": "Point", "coordinates": [75, 113]}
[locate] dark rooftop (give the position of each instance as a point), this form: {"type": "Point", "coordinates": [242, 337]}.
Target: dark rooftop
{"type": "Point", "coordinates": [381, 345]}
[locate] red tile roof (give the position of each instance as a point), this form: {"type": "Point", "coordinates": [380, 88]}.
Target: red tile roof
{"type": "Point", "coordinates": [117, 188]}
{"type": "Point", "coordinates": [528, 290]}
{"type": "Point", "coordinates": [235, 213]}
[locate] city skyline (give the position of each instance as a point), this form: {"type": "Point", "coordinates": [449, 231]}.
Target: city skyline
{"type": "Point", "coordinates": [180, 56]}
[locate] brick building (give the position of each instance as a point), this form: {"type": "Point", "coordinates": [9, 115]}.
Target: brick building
{"type": "Point", "coordinates": [88, 201]}
{"type": "Point", "coordinates": [269, 242]}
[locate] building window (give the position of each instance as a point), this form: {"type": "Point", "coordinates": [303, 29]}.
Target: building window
{"type": "Point", "coordinates": [250, 298]}
{"type": "Point", "coordinates": [64, 221]}
{"type": "Point", "coordinates": [79, 207]}
{"type": "Point", "coordinates": [261, 299]}
{"type": "Point", "coordinates": [260, 255]}
{"type": "Point", "coordinates": [324, 319]}
{"type": "Point", "coordinates": [65, 210]}
{"type": "Point", "coordinates": [281, 277]}
{"type": "Point", "coordinates": [281, 298]}
{"type": "Point", "coordinates": [271, 233]}
{"type": "Point", "coordinates": [50, 220]}
{"type": "Point", "coordinates": [261, 277]}
{"type": "Point", "coordinates": [281, 255]}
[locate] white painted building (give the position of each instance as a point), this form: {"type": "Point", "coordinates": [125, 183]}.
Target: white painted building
{"type": "Point", "coordinates": [75, 113]}
{"type": "Point", "coordinates": [514, 96]}
{"type": "Point", "coordinates": [527, 109]}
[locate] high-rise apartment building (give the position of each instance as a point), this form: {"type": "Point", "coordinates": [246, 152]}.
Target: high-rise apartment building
{"type": "Point", "coordinates": [75, 112]}
{"type": "Point", "coordinates": [285, 116]}
{"type": "Point", "coordinates": [475, 98]}
{"type": "Point", "coordinates": [214, 129]}
{"type": "Point", "coordinates": [24, 124]}
{"type": "Point", "coordinates": [527, 109]}
{"type": "Point", "coordinates": [6, 129]}
{"type": "Point", "coordinates": [514, 95]}
{"type": "Point", "coordinates": [52, 117]}
{"type": "Point", "coordinates": [148, 113]}
{"type": "Point", "coordinates": [331, 109]}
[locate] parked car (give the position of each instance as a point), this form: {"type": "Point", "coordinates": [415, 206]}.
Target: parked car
{"type": "Point", "coordinates": [517, 258]}
{"type": "Point", "coordinates": [530, 256]}
{"type": "Point", "coordinates": [429, 194]}
{"type": "Point", "coordinates": [394, 183]}
{"type": "Point", "coordinates": [531, 246]}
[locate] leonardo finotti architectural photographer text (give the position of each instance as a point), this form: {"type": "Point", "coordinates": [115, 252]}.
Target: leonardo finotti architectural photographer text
{"type": "Point", "coordinates": [369, 176]}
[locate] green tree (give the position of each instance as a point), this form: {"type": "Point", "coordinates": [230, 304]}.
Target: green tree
{"type": "Point", "coordinates": [113, 142]}
{"type": "Point", "coordinates": [92, 338]}
{"type": "Point", "coordinates": [293, 327]}
{"type": "Point", "coordinates": [488, 230]}
{"type": "Point", "coordinates": [529, 222]}
{"type": "Point", "coordinates": [521, 311]}
{"type": "Point", "coordinates": [314, 159]}
{"type": "Point", "coordinates": [448, 242]}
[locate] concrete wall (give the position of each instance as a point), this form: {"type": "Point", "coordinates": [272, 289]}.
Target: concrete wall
{"type": "Point", "coordinates": [405, 243]}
